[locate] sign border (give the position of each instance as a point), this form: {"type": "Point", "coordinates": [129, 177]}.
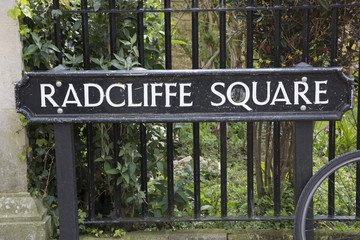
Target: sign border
{"type": "Point", "coordinates": [188, 117]}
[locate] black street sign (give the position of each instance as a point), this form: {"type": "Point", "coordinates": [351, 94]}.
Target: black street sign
{"type": "Point", "coordinates": [299, 93]}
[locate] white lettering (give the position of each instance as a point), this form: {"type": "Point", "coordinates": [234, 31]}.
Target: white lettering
{"type": "Point", "coordinates": [169, 94]}
{"type": "Point", "coordinates": [108, 97]}
{"type": "Point", "coordinates": [184, 94]}
{"type": "Point", "coordinates": [76, 100]}
{"type": "Point", "coordinates": [155, 94]}
{"type": "Point", "coordinates": [284, 99]}
{"type": "Point", "coordinates": [130, 97]}
{"type": "Point", "coordinates": [244, 101]}
{"type": "Point", "coordinates": [217, 93]}
{"type": "Point", "coordinates": [318, 91]}
{"type": "Point", "coordinates": [146, 95]}
{"type": "Point", "coordinates": [254, 92]}
{"type": "Point", "coordinates": [48, 96]}
{"type": "Point", "coordinates": [302, 93]}
{"type": "Point", "coordinates": [86, 95]}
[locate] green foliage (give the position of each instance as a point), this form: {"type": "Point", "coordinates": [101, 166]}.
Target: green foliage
{"type": "Point", "coordinates": [40, 53]}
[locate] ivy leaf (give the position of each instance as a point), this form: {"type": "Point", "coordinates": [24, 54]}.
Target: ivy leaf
{"type": "Point", "coordinates": [14, 13]}
{"type": "Point", "coordinates": [27, 12]}
{"type": "Point", "coordinates": [97, 6]}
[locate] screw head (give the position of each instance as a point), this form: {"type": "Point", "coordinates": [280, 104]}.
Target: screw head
{"type": "Point", "coordinates": [304, 79]}
{"type": "Point", "coordinates": [303, 108]}
{"type": "Point", "coordinates": [60, 110]}
{"type": "Point", "coordinates": [58, 83]}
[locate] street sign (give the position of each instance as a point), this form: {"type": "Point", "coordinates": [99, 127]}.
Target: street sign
{"type": "Point", "coordinates": [299, 93]}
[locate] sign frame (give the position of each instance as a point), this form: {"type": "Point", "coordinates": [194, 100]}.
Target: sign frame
{"type": "Point", "coordinates": [302, 71]}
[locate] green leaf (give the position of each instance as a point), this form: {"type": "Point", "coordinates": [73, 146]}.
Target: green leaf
{"type": "Point", "coordinates": [97, 5]}
{"type": "Point", "coordinates": [206, 207]}
{"type": "Point", "coordinates": [178, 42]}
{"type": "Point", "coordinates": [27, 12]}
{"type": "Point", "coordinates": [30, 50]}
{"type": "Point", "coordinates": [126, 177]}
{"type": "Point", "coordinates": [126, 33]}
{"type": "Point", "coordinates": [109, 170]}
{"type": "Point", "coordinates": [132, 168]}
{"type": "Point", "coordinates": [133, 39]}
{"type": "Point", "coordinates": [107, 166]}
{"type": "Point", "coordinates": [77, 25]}
{"type": "Point", "coordinates": [112, 171]}
{"type": "Point", "coordinates": [14, 13]}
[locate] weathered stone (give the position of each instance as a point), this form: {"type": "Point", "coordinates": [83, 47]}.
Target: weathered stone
{"type": "Point", "coordinates": [21, 217]}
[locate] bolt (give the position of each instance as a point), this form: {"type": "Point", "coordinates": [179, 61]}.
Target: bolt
{"type": "Point", "coordinates": [58, 83]}
{"type": "Point", "coordinates": [303, 108]}
{"type": "Point", "coordinates": [304, 79]}
{"type": "Point", "coordinates": [59, 110]}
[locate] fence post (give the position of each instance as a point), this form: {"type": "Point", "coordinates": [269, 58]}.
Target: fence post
{"type": "Point", "coordinates": [303, 161]}
{"type": "Point", "coordinates": [66, 181]}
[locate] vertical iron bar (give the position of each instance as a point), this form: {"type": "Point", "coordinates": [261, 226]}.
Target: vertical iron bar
{"type": "Point", "coordinates": [332, 130]}
{"type": "Point", "coordinates": [196, 128]}
{"type": "Point", "coordinates": [277, 201]}
{"type": "Point", "coordinates": [143, 152]}
{"type": "Point", "coordinates": [90, 158]}
{"type": "Point", "coordinates": [195, 35]}
{"type": "Point", "coordinates": [358, 147]}
{"type": "Point", "coordinates": [140, 38]}
{"type": "Point", "coordinates": [168, 63]}
{"type": "Point", "coordinates": [223, 147]}
{"type": "Point", "coordinates": [170, 168]}
{"type": "Point", "coordinates": [277, 63]}
{"type": "Point", "coordinates": [66, 181]}
{"type": "Point", "coordinates": [223, 153]}
{"type": "Point", "coordinates": [58, 32]}
{"type": "Point", "coordinates": [331, 183]}
{"type": "Point", "coordinates": [303, 164]}
{"type": "Point", "coordinates": [196, 158]}
{"type": "Point", "coordinates": [222, 28]}
{"type": "Point", "coordinates": [306, 32]}
{"type": "Point", "coordinates": [250, 125]}
{"type": "Point", "coordinates": [140, 33]}
{"type": "Point", "coordinates": [116, 127]}
{"type": "Point", "coordinates": [169, 126]}
{"type": "Point", "coordinates": [85, 35]}
{"type": "Point", "coordinates": [250, 168]}
{"type": "Point", "coordinates": [250, 36]}
{"type": "Point", "coordinates": [112, 23]}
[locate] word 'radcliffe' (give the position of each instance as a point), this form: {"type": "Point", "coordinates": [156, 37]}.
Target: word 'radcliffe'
{"type": "Point", "coordinates": [169, 95]}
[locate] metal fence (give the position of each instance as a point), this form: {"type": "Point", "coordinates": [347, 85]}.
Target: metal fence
{"type": "Point", "coordinates": [67, 200]}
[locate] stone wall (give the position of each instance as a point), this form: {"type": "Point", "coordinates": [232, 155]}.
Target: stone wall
{"type": "Point", "coordinates": [21, 217]}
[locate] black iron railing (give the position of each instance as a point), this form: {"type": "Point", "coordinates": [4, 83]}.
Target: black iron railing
{"type": "Point", "coordinates": [303, 172]}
